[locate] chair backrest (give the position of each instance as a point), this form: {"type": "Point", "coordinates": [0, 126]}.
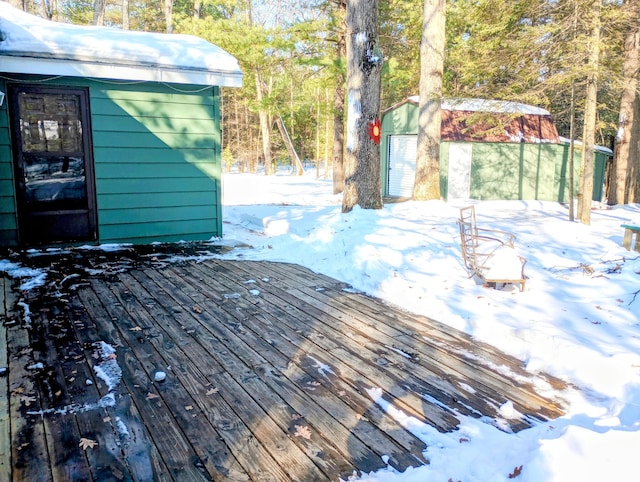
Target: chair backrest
{"type": "Point", "coordinates": [468, 235]}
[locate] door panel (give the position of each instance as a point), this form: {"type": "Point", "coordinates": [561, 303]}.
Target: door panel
{"type": "Point", "coordinates": [460, 156]}
{"type": "Point", "coordinates": [54, 164]}
{"type": "Point", "coordinates": [402, 164]}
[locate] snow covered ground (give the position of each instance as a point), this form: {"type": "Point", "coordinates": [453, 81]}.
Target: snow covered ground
{"type": "Point", "coordinates": [578, 318]}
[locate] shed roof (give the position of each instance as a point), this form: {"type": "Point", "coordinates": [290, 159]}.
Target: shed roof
{"type": "Point", "coordinates": [487, 120]}
{"type": "Point", "coordinates": [33, 45]}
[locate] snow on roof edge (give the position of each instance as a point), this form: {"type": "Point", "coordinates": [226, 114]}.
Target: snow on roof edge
{"type": "Point", "coordinates": [142, 73]}
{"type": "Point", "coordinates": [30, 44]}
{"type": "Point", "coordinates": [606, 150]}
{"type": "Point", "coordinates": [486, 105]}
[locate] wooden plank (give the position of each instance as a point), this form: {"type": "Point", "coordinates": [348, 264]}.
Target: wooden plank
{"type": "Point", "coordinates": [371, 337]}
{"type": "Point", "coordinates": [334, 404]}
{"type": "Point", "coordinates": [68, 460]}
{"type": "Point", "coordinates": [196, 424]}
{"type": "Point", "coordinates": [30, 459]}
{"type": "Point", "coordinates": [322, 300]}
{"type": "Point", "coordinates": [128, 436]}
{"type": "Point", "coordinates": [5, 422]}
{"type": "Point", "coordinates": [299, 403]}
{"type": "Point", "coordinates": [138, 363]}
{"type": "Point", "coordinates": [360, 363]}
{"type": "Point", "coordinates": [282, 448]}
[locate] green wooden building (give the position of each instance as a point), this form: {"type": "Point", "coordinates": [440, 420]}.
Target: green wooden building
{"type": "Point", "coordinates": [108, 136]}
{"type": "Point", "coordinates": [489, 150]}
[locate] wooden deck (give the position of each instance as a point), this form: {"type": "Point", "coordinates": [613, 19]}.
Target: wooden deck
{"type": "Point", "coordinates": [270, 371]}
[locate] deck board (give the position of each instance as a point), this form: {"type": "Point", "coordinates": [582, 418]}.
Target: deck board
{"type": "Point", "coordinates": [270, 371]}
{"type": "Point", "coordinates": [6, 302]}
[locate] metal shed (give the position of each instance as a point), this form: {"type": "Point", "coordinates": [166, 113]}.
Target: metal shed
{"type": "Point", "coordinates": [490, 150]}
{"type": "Point", "coordinates": [107, 135]}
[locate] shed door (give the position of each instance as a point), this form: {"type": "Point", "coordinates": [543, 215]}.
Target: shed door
{"type": "Point", "coordinates": [402, 164]}
{"type": "Point", "coordinates": [54, 165]}
{"type": "Point", "coordinates": [459, 186]}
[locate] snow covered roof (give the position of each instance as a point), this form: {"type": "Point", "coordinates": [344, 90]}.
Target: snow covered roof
{"type": "Point", "coordinates": [505, 121]}
{"type": "Point", "coordinates": [487, 105]}
{"type": "Point", "coordinates": [33, 45]}
{"type": "Point", "coordinates": [604, 149]}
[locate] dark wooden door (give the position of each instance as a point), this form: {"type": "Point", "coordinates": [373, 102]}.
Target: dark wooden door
{"type": "Point", "coordinates": [53, 164]}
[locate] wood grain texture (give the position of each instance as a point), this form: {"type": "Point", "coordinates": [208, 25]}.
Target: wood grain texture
{"type": "Point", "coordinates": [270, 373]}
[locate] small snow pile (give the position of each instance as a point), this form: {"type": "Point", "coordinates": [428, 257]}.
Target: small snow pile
{"type": "Point", "coordinates": [33, 277]}
{"type": "Point", "coordinates": [108, 369]}
{"type": "Point", "coordinates": [504, 264]}
{"type": "Point", "coordinates": [26, 312]}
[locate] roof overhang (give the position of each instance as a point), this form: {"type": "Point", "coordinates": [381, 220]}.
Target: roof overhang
{"type": "Point", "coordinates": [32, 45]}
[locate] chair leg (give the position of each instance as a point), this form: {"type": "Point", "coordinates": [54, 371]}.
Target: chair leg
{"type": "Point", "coordinates": [626, 241]}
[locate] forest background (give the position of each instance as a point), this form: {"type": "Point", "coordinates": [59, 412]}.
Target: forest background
{"type": "Point", "coordinates": [292, 52]}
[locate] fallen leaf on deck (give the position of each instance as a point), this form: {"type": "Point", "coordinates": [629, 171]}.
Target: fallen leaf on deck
{"type": "Point", "coordinates": [197, 309]}
{"type": "Point", "coordinates": [87, 443]}
{"type": "Point", "coordinates": [303, 431]}
{"type": "Point", "coordinates": [106, 419]}
{"type": "Point", "coordinates": [151, 396]}
{"type": "Point", "coordinates": [135, 328]}
{"type": "Point", "coordinates": [18, 391]}
{"type": "Point", "coordinates": [517, 471]}
{"type": "Point", "coordinates": [213, 390]}
{"type": "Point", "coordinates": [27, 400]}
{"type": "Point", "coordinates": [188, 407]}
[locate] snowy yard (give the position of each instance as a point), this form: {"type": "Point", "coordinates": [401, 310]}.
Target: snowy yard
{"type": "Point", "coordinates": [578, 318]}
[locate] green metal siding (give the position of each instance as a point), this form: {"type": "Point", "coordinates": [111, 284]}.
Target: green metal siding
{"type": "Point", "coordinates": [8, 225]}
{"type": "Point", "coordinates": [157, 162]}
{"type": "Point", "coordinates": [514, 171]}
{"type": "Point", "coordinates": [499, 170]}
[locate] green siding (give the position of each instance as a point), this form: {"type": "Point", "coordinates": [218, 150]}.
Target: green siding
{"type": "Point", "coordinates": [400, 120]}
{"type": "Point", "coordinates": [166, 231]}
{"type": "Point", "coordinates": [8, 225]}
{"type": "Point", "coordinates": [157, 161]}
{"type": "Point", "coordinates": [499, 170]}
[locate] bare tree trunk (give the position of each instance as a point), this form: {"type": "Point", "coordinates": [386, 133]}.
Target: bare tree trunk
{"type": "Point", "coordinates": [125, 15]}
{"type": "Point", "coordinates": [338, 112]}
{"type": "Point", "coordinates": [197, 9]}
{"type": "Point", "coordinates": [295, 159]}
{"type": "Point", "coordinates": [364, 66]}
{"type": "Point", "coordinates": [54, 10]}
{"type": "Point", "coordinates": [633, 180]}
{"type": "Point", "coordinates": [572, 137]}
{"type": "Point", "coordinates": [626, 148]}
{"type": "Point", "coordinates": [98, 12]}
{"type": "Point", "coordinates": [20, 4]}
{"type": "Point", "coordinates": [589, 133]}
{"type": "Point", "coordinates": [327, 129]}
{"type": "Point", "coordinates": [265, 127]}
{"type": "Point", "coordinates": [168, 15]}
{"type": "Point", "coordinates": [44, 10]}
{"type": "Point", "coordinates": [427, 181]}
{"type": "Point", "coordinates": [318, 124]}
